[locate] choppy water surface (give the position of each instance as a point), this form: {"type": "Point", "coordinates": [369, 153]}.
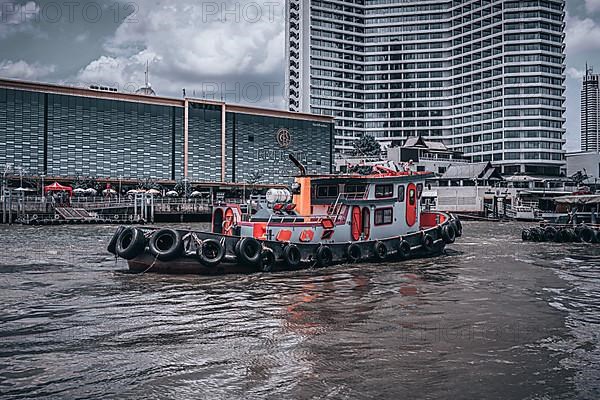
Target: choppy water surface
{"type": "Point", "coordinates": [492, 318]}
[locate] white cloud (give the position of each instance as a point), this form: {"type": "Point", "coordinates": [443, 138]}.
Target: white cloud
{"type": "Point", "coordinates": [24, 70]}
{"type": "Point", "coordinates": [575, 73]}
{"type": "Point", "coordinates": [582, 35]}
{"type": "Point", "coordinates": [592, 5]}
{"type": "Point", "coordinates": [197, 46]}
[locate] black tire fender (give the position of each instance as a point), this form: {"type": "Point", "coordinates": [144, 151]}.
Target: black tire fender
{"type": "Point", "coordinates": [427, 242]}
{"type": "Point", "coordinates": [525, 235]}
{"type": "Point", "coordinates": [586, 235]}
{"type": "Point", "coordinates": [292, 255]}
{"type": "Point", "coordinates": [404, 250]}
{"type": "Point", "coordinates": [380, 250]}
{"type": "Point", "coordinates": [166, 244]}
{"type": "Point", "coordinates": [248, 250]}
{"type": "Point", "coordinates": [458, 228]}
{"type": "Point", "coordinates": [353, 253]}
{"type": "Point", "coordinates": [267, 260]}
{"type": "Point", "coordinates": [131, 243]}
{"type": "Point", "coordinates": [448, 233]}
{"type": "Point", "coordinates": [324, 256]}
{"type": "Point", "coordinates": [210, 252]}
{"type": "Point", "coordinates": [550, 233]}
{"type": "Point", "coordinates": [112, 244]}
{"type": "Point", "coordinates": [572, 236]}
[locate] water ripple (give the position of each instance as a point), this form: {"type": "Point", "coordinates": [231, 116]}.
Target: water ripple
{"type": "Point", "coordinates": [491, 318]}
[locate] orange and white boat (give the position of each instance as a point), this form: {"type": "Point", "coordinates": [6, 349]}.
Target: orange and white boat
{"type": "Point", "coordinates": [318, 222]}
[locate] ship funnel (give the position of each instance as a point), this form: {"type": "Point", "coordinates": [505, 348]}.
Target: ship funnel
{"type": "Point", "coordinates": [298, 164]}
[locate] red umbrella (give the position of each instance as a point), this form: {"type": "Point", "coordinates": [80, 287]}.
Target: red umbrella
{"type": "Point", "coordinates": [57, 187]}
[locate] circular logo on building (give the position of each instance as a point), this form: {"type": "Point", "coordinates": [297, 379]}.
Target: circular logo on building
{"type": "Point", "coordinates": [284, 138]}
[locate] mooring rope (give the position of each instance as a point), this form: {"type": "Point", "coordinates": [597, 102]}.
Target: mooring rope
{"type": "Point", "coordinates": [151, 265]}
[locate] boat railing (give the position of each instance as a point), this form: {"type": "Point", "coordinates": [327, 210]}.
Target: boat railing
{"type": "Point", "coordinates": [336, 208]}
{"type": "Point", "coordinates": [352, 195]}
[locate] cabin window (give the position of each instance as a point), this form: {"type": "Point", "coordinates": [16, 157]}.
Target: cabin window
{"type": "Point", "coordinates": [356, 189]}
{"type": "Point", "coordinates": [384, 191]}
{"type": "Point", "coordinates": [411, 196]}
{"type": "Point", "coordinates": [401, 193]}
{"type": "Point", "coordinates": [419, 190]}
{"type": "Point", "coordinates": [384, 216]}
{"type": "Point", "coordinates": [327, 191]}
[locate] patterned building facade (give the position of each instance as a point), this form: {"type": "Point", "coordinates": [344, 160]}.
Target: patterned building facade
{"type": "Point", "coordinates": [69, 132]}
{"type": "Point", "coordinates": [485, 77]}
{"type": "Point", "coordinates": [590, 111]}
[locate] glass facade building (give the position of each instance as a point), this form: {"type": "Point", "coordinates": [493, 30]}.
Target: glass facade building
{"type": "Point", "coordinates": [70, 132]}
{"type": "Point", "coordinates": [485, 77]}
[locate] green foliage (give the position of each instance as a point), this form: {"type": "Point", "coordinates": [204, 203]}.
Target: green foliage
{"type": "Point", "coordinates": [366, 146]}
{"type": "Point", "coordinates": [254, 177]}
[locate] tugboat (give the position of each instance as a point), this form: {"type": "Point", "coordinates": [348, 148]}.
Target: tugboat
{"type": "Point", "coordinates": [320, 221]}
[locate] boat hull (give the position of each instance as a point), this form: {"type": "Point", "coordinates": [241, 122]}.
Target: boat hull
{"type": "Point", "coordinates": [189, 262]}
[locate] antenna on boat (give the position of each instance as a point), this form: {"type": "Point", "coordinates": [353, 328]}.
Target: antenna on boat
{"type": "Point", "coordinates": [298, 164]}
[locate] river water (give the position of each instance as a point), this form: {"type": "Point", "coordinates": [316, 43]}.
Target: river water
{"type": "Point", "coordinates": [492, 318]}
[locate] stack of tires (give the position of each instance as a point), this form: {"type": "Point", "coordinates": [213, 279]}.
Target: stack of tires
{"type": "Point", "coordinates": [561, 234]}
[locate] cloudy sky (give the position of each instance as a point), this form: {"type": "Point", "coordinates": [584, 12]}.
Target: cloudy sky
{"type": "Point", "coordinates": [206, 47]}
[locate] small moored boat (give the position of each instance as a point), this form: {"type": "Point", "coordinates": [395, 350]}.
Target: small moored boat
{"type": "Point", "coordinates": [320, 221]}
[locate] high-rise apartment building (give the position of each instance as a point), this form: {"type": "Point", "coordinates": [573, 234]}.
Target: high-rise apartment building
{"type": "Point", "coordinates": [590, 111]}
{"type": "Point", "coordinates": [485, 77]}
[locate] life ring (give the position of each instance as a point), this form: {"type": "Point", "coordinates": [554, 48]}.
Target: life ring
{"type": "Point", "coordinates": [166, 244]}
{"type": "Point", "coordinates": [427, 242]}
{"type": "Point", "coordinates": [448, 234]}
{"type": "Point", "coordinates": [586, 235]}
{"type": "Point", "coordinates": [458, 228]}
{"type": "Point", "coordinates": [267, 260]}
{"type": "Point", "coordinates": [353, 253]}
{"type": "Point", "coordinates": [112, 244]}
{"type": "Point", "coordinates": [292, 255]}
{"type": "Point", "coordinates": [324, 256]}
{"type": "Point", "coordinates": [380, 250]}
{"type": "Point", "coordinates": [34, 216]}
{"type": "Point", "coordinates": [228, 221]}
{"type": "Point", "coordinates": [210, 252]}
{"type": "Point", "coordinates": [404, 250]}
{"type": "Point", "coordinates": [131, 243]}
{"type": "Point", "coordinates": [248, 250]}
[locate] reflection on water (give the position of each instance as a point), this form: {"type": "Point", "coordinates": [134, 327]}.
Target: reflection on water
{"type": "Point", "coordinates": [492, 318]}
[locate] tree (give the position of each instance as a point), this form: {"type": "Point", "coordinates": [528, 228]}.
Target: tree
{"type": "Point", "coordinates": [254, 177]}
{"type": "Point", "coordinates": [366, 146]}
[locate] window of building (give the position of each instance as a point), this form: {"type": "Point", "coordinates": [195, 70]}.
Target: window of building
{"type": "Point", "coordinates": [384, 191]}
{"type": "Point", "coordinates": [384, 216]}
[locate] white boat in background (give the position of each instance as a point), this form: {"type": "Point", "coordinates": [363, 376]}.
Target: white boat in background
{"type": "Point", "coordinates": [522, 213]}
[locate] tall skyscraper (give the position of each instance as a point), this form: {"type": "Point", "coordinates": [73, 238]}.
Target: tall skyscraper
{"type": "Point", "coordinates": [590, 111]}
{"type": "Point", "coordinates": [485, 77]}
